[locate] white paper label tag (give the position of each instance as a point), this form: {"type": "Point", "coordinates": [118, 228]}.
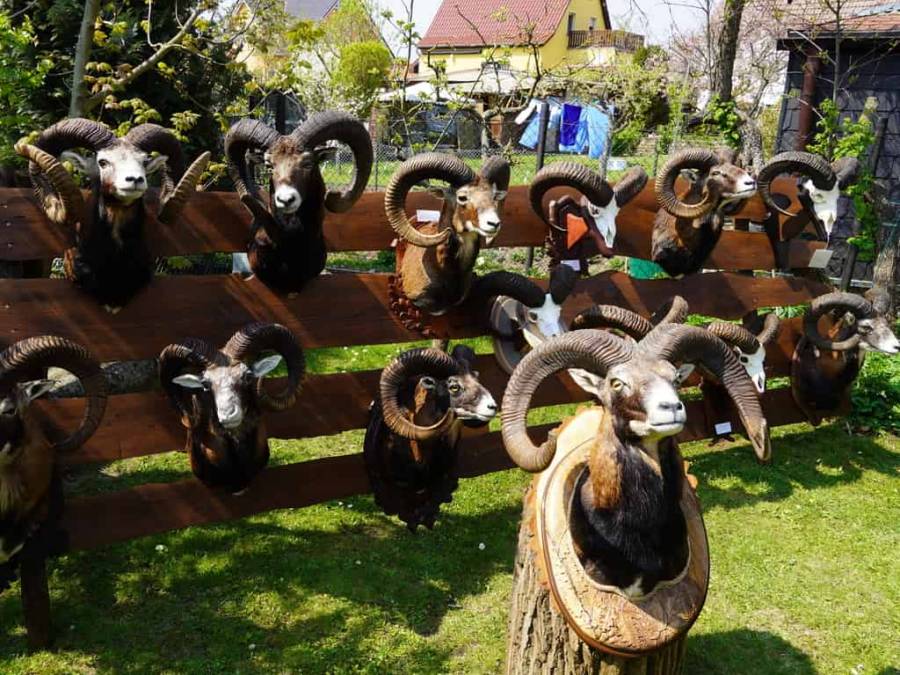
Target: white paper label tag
{"type": "Point", "coordinates": [723, 428]}
{"type": "Point", "coordinates": [616, 164]}
{"type": "Point", "coordinates": [820, 258]}
{"type": "Point", "coordinates": [427, 215]}
{"type": "Point", "coordinates": [574, 264]}
{"type": "Point", "coordinates": [756, 227]}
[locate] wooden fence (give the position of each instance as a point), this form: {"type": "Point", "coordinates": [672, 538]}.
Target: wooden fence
{"type": "Point", "coordinates": [334, 310]}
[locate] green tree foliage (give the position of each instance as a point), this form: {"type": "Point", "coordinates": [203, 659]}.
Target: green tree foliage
{"type": "Point", "coordinates": [363, 67]}
{"type": "Point", "coordinates": [19, 87]}
{"type": "Point", "coordinates": [191, 90]}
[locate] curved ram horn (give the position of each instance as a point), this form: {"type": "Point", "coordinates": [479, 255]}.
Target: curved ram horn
{"type": "Point", "coordinates": [674, 310]}
{"type": "Point", "coordinates": [54, 188]}
{"type": "Point", "coordinates": [75, 132]}
{"type": "Point", "coordinates": [173, 202]}
{"type": "Point", "coordinates": [562, 282]}
{"type": "Point", "coordinates": [805, 163]}
{"type": "Point", "coordinates": [244, 135]}
{"type": "Point", "coordinates": [496, 171]}
{"type": "Point", "coordinates": [510, 284]}
{"type": "Point", "coordinates": [735, 335]}
{"type": "Point", "coordinates": [630, 185]}
{"type": "Point", "coordinates": [593, 350]}
{"type": "Point", "coordinates": [846, 171]}
{"type": "Point", "coordinates": [572, 175]}
{"type": "Point", "coordinates": [429, 165]}
{"type": "Point", "coordinates": [688, 344]}
{"type": "Point", "coordinates": [190, 354]}
{"type": "Point", "coordinates": [700, 159]}
{"type": "Point", "coordinates": [29, 358]}
{"type": "Point", "coordinates": [250, 341]}
{"type": "Point", "coordinates": [613, 317]}
{"type": "Point", "coordinates": [413, 364]}
{"type": "Point", "coordinates": [771, 326]}
{"type": "Point", "coordinates": [339, 126]}
{"type": "Point", "coordinates": [842, 302]}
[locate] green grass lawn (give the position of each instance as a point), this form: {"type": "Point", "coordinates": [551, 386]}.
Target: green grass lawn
{"type": "Point", "coordinates": [805, 572]}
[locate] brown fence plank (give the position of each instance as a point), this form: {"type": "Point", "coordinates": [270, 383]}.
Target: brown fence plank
{"type": "Point", "coordinates": [216, 222]}
{"type": "Point", "coordinates": [355, 305]}
{"type": "Point", "coordinates": [144, 424]}
{"type": "Point", "coordinates": [160, 507]}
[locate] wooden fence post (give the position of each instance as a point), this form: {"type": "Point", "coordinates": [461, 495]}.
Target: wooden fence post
{"type": "Point", "coordinates": [540, 641]}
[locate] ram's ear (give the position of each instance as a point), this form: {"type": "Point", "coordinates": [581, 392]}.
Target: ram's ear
{"type": "Point", "coordinates": [37, 388]}
{"type": "Point", "coordinates": [79, 161]}
{"type": "Point", "coordinates": [325, 154]}
{"type": "Point", "coordinates": [188, 381]}
{"type": "Point", "coordinates": [428, 382]}
{"type": "Point", "coordinates": [266, 365]}
{"type": "Point", "coordinates": [690, 175]}
{"type": "Point", "coordinates": [590, 382]}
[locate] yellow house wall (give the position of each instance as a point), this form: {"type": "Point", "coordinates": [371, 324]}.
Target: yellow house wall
{"type": "Point", "coordinates": [552, 54]}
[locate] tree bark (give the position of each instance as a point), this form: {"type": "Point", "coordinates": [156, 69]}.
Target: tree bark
{"type": "Point", "coordinates": [723, 67]}
{"type": "Point", "coordinates": [82, 55]}
{"type": "Point", "coordinates": [541, 642]}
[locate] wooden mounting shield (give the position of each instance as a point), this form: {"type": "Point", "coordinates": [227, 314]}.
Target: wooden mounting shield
{"type": "Point", "coordinates": [601, 615]}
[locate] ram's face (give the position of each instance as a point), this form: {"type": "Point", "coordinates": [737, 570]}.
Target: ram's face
{"type": "Point", "coordinates": [12, 410]}
{"type": "Point", "coordinates": [229, 390]}
{"type": "Point", "coordinates": [643, 398]}
{"type": "Point", "coordinates": [123, 170]}
{"type": "Point", "coordinates": [295, 174]}
{"type": "Point", "coordinates": [876, 335]}
{"type": "Point", "coordinates": [730, 182]}
{"type": "Point", "coordinates": [470, 401]}
{"type": "Point", "coordinates": [478, 208]}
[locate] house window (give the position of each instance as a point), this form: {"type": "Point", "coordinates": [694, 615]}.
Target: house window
{"type": "Point", "coordinates": [571, 26]}
{"type": "Point", "coordinates": [592, 24]}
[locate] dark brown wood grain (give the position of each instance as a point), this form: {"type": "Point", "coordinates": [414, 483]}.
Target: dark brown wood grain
{"type": "Point", "coordinates": [334, 310]}
{"type": "Point", "coordinates": [160, 507]}
{"type": "Point", "coordinates": [216, 222]}
{"type": "Point", "coordinates": [144, 423]}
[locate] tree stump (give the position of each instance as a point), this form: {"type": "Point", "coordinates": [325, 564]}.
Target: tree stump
{"type": "Point", "coordinates": [641, 636]}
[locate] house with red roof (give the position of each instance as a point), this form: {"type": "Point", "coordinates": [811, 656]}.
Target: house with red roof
{"type": "Point", "coordinates": [522, 34]}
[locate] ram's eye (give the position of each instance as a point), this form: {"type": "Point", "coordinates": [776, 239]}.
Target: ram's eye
{"type": "Point", "coordinates": [462, 198]}
{"type": "Point", "coordinates": [744, 359]}
{"type": "Point", "coordinates": [864, 328]}
{"type": "Point", "coordinates": [454, 388]}
{"type": "Point", "coordinates": [103, 163]}
{"type": "Point", "coordinates": [533, 316]}
{"type": "Point", "coordinates": [617, 384]}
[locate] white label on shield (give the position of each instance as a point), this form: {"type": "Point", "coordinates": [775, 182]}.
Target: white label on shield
{"type": "Point", "coordinates": [723, 428]}
{"type": "Point", "coordinates": [427, 215]}
{"type": "Point", "coordinates": [574, 264]}
{"type": "Point", "coordinates": [820, 258]}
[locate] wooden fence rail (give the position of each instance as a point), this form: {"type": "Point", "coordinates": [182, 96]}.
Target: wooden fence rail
{"type": "Point", "coordinates": [340, 309]}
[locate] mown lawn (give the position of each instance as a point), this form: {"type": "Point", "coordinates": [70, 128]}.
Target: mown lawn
{"type": "Point", "coordinates": [805, 578]}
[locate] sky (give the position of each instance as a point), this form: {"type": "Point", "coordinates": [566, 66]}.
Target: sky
{"type": "Point", "coordinates": [653, 18]}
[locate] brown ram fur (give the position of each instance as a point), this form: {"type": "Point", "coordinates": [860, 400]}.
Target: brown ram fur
{"type": "Point", "coordinates": [438, 277]}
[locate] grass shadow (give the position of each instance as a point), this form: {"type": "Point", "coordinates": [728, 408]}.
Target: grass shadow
{"type": "Point", "coordinates": [745, 652]}
{"type": "Point", "coordinates": [802, 459]}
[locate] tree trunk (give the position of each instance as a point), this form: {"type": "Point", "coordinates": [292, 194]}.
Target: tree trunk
{"type": "Point", "coordinates": [723, 67]}
{"type": "Point", "coordinates": [82, 56]}
{"type": "Point", "coordinates": [539, 639]}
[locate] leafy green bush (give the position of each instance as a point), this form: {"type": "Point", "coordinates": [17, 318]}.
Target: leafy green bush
{"type": "Point", "coordinates": [876, 394]}
{"type": "Point", "coordinates": [626, 140]}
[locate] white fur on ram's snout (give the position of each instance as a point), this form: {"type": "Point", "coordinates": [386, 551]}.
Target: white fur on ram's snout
{"type": "Point", "coordinates": [825, 203]}
{"type": "Point", "coordinates": [287, 199]}
{"type": "Point", "coordinates": [665, 411]}
{"type": "Point", "coordinates": [488, 225]}
{"type": "Point", "coordinates": [484, 410]}
{"type": "Point", "coordinates": [744, 187]}
{"type": "Point", "coordinates": [542, 323]}
{"type": "Point", "coordinates": [605, 220]}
